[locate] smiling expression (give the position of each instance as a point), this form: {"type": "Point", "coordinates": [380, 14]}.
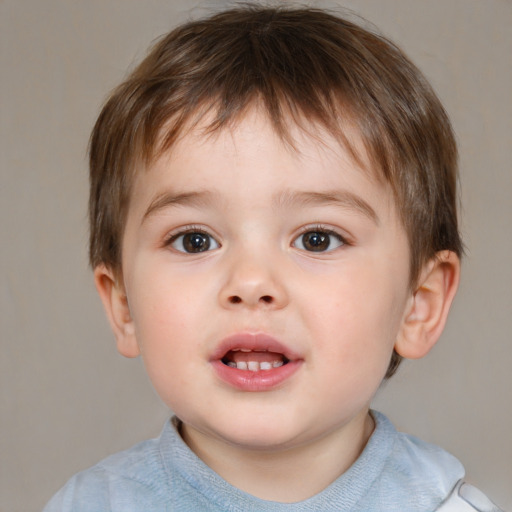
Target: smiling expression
{"type": "Point", "coordinates": [266, 285]}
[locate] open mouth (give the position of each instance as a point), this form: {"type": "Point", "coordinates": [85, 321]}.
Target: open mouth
{"type": "Point", "coordinates": [254, 360]}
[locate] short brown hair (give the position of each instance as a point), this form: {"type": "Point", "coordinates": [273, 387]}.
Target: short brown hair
{"type": "Point", "coordinates": [303, 65]}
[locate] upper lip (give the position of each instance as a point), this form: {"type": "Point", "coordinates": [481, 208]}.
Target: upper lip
{"type": "Point", "coordinates": [257, 342]}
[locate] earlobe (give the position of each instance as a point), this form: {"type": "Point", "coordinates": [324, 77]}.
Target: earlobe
{"type": "Point", "coordinates": [428, 307]}
{"type": "Point", "coordinates": [112, 293]}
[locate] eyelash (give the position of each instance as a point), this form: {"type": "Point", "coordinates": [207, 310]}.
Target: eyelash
{"type": "Point", "coordinates": [173, 237]}
{"type": "Point", "coordinates": [320, 228]}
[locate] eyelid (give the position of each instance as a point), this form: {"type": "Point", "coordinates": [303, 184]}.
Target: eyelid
{"type": "Point", "coordinates": [322, 228]}
{"type": "Point", "coordinates": [191, 228]}
{"type": "Point", "coordinates": [325, 228]}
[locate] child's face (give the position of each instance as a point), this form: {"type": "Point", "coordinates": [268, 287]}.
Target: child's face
{"type": "Point", "coordinates": [296, 257]}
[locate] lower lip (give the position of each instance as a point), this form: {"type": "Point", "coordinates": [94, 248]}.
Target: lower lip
{"type": "Point", "coordinates": [262, 380]}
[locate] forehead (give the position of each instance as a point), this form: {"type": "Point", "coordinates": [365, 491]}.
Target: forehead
{"type": "Point", "coordinates": [249, 157]}
{"type": "Point", "coordinates": [295, 135]}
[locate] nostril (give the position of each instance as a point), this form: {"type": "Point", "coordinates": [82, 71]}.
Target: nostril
{"type": "Point", "coordinates": [236, 299]}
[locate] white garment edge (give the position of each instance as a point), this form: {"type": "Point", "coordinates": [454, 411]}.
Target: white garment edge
{"type": "Point", "coordinates": [467, 498]}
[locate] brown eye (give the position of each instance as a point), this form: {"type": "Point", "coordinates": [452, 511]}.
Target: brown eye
{"type": "Point", "coordinates": [196, 242]}
{"type": "Point", "coordinates": [318, 241]}
{"type": "Point", "coordinates": [315, 241]}
{"type": "Point", "coordinates": [193, 242]}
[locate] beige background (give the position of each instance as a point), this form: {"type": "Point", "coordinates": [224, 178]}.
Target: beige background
{"type": "Point", "coordinates": [66, 398]}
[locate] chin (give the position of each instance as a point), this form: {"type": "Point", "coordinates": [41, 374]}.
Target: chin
{"type": "Point", "coordinates": [261, 433]}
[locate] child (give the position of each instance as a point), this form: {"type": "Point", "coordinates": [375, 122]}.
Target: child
{"type": "Point", "coordinates": [273, 227]}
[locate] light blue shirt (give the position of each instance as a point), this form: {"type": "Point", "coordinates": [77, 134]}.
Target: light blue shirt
{"type": "Point", "coordinates": [395, 472]}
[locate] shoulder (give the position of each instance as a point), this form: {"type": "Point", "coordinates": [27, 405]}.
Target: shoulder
{"type": "Point", "coordinates": [128, 481]}
{"type": "Point", "coordinates": [415, 475]}
{"type": "Point", "coordinates": [422, 476]}
{"type": "Point", "coordinates": [416, 459]}
{"type": "Point", "coordinates": [419, 459]}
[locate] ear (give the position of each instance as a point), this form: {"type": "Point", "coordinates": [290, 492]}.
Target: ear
{"type": "Point", "coordinates": [429, 305]}
{"type": "Point", "coordinates": [113, 296]}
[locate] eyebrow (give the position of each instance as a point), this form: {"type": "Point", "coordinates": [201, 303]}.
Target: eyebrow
{"type": "Point", "coordinates": [339, 198]}
{"type": "Point", "coordinates": [170, 198]}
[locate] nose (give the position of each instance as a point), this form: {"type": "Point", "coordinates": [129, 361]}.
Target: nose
{"type": "Point", "coordinates": [253, 283]}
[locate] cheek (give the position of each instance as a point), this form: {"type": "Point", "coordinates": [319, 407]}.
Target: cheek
{"type": "Point", "coordinates": [163, 311]}
{"type": "Point", "coordinates": [167, 320]}
{"type": "Point", "coordinates": [357, 333]}
{"type": "Point", "coordinates": [357, 317]}
{"type": "Point", "coordinates": [165, 293]}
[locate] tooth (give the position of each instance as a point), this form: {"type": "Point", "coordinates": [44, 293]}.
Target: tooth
{"type": "Point", "coordinates": [245, 350]}
{"type": "Point", "coordinates": [241, 365]}
{"type": "Point", "coordinates": [265, 365]}
{"type": "Point", "coordinates": [232, 364]}
{"type": "Point", "coordinates": [277, 364]}
{"type": "Point", "coordinates": [254, 366]}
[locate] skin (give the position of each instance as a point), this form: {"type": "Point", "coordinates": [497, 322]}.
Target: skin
{"type": "Point", "coordinates": [341, 310]}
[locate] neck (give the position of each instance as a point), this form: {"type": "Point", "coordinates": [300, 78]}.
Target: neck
{"type": "Point", "coordinates": [285, 475]}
